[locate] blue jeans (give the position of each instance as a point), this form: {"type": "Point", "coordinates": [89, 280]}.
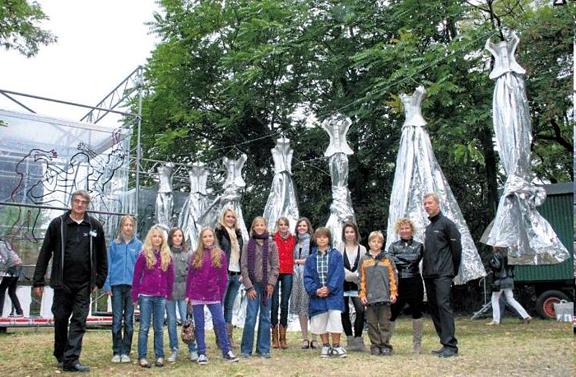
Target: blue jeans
{"type": "Point", "coordinates": [151, 309]}
{"type": "Point", "coordinates": [284, 284]}
{"type": "Point", "coordinates": [219, 326]}
{"type": "Point", "coordinates": [232, 288]}
{"type": "Point", "coordinates": [171, 306]}
{"type": "Point", "coordinates": [122, 313]}
{"type": "Point", "coordinates": [263, 337]}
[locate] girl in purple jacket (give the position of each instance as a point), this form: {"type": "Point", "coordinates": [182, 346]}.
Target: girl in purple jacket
{"type": "Point", "coordinates": [151, 287]}
{"type": "Point", "coordinates": [206, 285]}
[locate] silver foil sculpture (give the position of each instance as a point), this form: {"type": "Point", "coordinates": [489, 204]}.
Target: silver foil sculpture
{"type": "Point", "coordinates": [282, 198]}
{"type": "Point", "coordinates": [164, 198]}
{"type": "Point", "coordinates": [518, 226]}
{"type": "Point", "coordinates": [341, 210]}
{"type": "Point", "coordinates": [417, 173]}
{"type": "Point", "coordinates": [195, 205]}
{"type": "Point", "coordinates": [230, 197]}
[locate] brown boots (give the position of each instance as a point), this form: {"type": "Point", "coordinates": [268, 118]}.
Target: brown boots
{"type": "Point", "coordinates": [417, 327]}
{"type": "Point", "coordinates": [275, 340]}
{"type": "Point", "coordinates": [282, 335]}
{"type": "Point", "coordinates": [230, 333]}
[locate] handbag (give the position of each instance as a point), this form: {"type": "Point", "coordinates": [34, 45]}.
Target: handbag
{"type": "Point", "coordinates": [188, 330]}
{"type": "Point", "coordinates": [564, 311]}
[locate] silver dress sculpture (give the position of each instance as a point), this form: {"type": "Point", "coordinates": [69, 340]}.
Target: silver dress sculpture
{"type": "Point", "coordinates": [341, 210]}
{"type": "Point", "coordinates": [417, 173]}
{"type": "Point", "coordinates": [164, 198]}
{"type": "Point", "coordinates": [195, 205]}
{"type": "Point", "coordinates": [282, 198]}
{"type": "Point", "coordinates": [230, 197]}
{"type": "Point", "coordinates": [518, 226]}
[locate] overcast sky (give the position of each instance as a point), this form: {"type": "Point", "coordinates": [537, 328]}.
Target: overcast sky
{"type": "Point", "coordinates": [99, 43]}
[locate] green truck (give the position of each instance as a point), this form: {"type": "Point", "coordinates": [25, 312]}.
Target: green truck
{"type": "Point", "coordinates": [545, 285]}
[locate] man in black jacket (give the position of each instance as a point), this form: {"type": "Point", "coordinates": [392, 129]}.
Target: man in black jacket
{"type": "Point", "coordinates": [442, 255]}
{"type": "Point", "coordinates": [79, 265]}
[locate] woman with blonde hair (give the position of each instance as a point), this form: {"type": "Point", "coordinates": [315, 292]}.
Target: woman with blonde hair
{"type": "Point", "coordinates": [151, 287]}
{"type": "Point", "coordinates": [205, 286]}
{"type": "Point", "coordinates": [122, 254]}
{"type": "Point", "coordinates": [230, 240]}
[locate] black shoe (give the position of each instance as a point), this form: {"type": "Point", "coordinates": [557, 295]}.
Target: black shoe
{"type": "Point", "coordinates": [438, 351]}
{"type": "Point", "coordinates": [448, 352]}
{"type": "Point", "coordinates": [76, 368]}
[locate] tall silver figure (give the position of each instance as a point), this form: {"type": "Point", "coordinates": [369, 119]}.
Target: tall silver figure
{"type": "Point", "coordinates": [230, 197]}
{"type": "Point", "coordinates": [165, 199]}
{"type": "Point", "coordinates": [417, 173]}
{"type": "Point", "coordinates": [196, 203]}
{"type": "Point", "coordinates": [341, 210]}
{"type": "Point", "coordinates": [518, 226]}
{"type": "Point", "coordinates": [282, 198]}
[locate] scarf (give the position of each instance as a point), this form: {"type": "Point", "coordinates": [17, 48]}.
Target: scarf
{"type": "Point", "coordinates": [305, 238]}
{"type": "Point", "coordinates": [252, 259]}
{"type": "Point", "coordinates": [234, 245]}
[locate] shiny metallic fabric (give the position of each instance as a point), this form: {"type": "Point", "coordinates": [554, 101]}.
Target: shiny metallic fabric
{"type": "Point", "coordinates": [518, 226]}
{"type": "Point", "coordinates": [164, 199]}
{"type": "Point", "coordinates": [230, 198]}
{"type": "Point", "coordinates": [341, 210]}
{"type": "Point", "coordinates": [417, 173]}
{"type": "Point", "coordinates": [195, 205]}
{"type": "Point", "coordinates": [282, 199]}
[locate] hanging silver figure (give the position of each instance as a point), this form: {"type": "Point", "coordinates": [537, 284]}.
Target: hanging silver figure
{"type": "Point", "coordinates": [230, 197]}
{"type": "Point", "coordinates": [196, 203]}
{"type": "Point", "coordinates": [341, 210]}
{"type": "Point", "coordinates": [164, 198]}
{"type": "Point", "coordinates": [417, 173]}
{"type": "Point", "coordinates": [517, 226]}
{"type": "Point", "coordinates": [282, 198]}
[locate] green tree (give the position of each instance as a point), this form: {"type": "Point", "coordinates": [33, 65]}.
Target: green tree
{"type": "Point", "coordinates": [19, 28]}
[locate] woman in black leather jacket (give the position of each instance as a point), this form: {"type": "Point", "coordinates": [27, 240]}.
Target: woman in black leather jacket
{"type": "Point", "coordinates": [503, 283]}
{"type": "Point", "coordinates": [407, 254]}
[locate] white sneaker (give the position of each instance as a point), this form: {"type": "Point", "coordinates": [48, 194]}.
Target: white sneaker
{"type": "Point", "coordinates": [116, 358]}
{"type": "Point", "coordinates": [193, 356]}
{"type": "Point", "coordinates": [339, 352]}
{"type": "Point", "coordinates": [125, 359]}
{"type": "Point", "coordinates": [325, 351]}
{"type": "Point", "coordinates": [173, 356]}
{"type": "Point", "coordinates": [202, 359]}
{"type": "Point", "coordinates": [230, 357]}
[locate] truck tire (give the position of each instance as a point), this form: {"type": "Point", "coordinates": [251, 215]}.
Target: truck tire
{"type": "Point", "coordinates": [545, 303]}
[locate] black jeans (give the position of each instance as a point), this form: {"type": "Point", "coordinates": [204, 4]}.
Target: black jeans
{"type": "Point", "coordinates": [438, 290]}
{"type": "Point", "coordinates": [69, 331]}
{"type": "Point", "coordinates": [411, 292]}
{"type": "Point", "coordinates": [358, 321]}
{"type": "Point", "coordinates": [10, 283]}
{"type": "Point", "coordinates": [281, 301]}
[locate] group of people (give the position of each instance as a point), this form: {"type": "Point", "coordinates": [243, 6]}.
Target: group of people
{"type": "Point", "coordinates": [308, 273]}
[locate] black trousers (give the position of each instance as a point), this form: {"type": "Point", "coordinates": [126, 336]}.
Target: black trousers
{"type": "Point", "coordinates": [411, 292]}
{"type": "Point", "coordinates": [358, 321]}
{"type": "Point", "coordinates": [439, 290]}
{"type": "Point", "coordinates": [70, 309]}
{"type": "Point", "coordinates": [10, 283]}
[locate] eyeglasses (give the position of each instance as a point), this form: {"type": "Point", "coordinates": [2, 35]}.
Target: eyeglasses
{"type": "Point", "coordinates": [80, 201]}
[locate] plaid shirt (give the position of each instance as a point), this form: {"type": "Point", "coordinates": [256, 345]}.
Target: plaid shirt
{"type": "Point", "coordinates": [322, 266]}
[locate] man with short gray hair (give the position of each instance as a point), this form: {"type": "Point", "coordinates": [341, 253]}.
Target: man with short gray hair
{"type": "Point", "coordinates": [75, 243]}
{"type": "Point", "coordinates": [441, 260]}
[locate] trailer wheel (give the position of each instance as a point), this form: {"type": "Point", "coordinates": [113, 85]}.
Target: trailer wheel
{"type": "Point", "coordinates": [545, 303]}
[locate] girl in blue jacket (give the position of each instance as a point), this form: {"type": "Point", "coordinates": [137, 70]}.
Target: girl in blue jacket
{"type": "Point", "coordinates": [122, 254]}
{"type": "Point", "coordinates": [324, 283]}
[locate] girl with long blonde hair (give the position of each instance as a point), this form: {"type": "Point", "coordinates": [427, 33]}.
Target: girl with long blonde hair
{"type": "Point", "coordinates": [206, 286]}
{"type": "Point", "coordinates": [122, 255]}
{"type": "Point", "coordinates": [151, 287]}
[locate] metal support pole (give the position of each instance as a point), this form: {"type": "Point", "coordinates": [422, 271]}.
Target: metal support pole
{"type": "Point", "coordinates": [139, 135]}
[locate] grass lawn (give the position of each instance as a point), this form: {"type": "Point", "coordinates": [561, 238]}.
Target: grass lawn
{"type": "Point", "coordinates": [542, 348]}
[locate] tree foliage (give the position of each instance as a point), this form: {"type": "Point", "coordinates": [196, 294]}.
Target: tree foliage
{"type": "Point", "coordinates": [19, 28]}
{"type": "Point", "coordinates": [232, 76]}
